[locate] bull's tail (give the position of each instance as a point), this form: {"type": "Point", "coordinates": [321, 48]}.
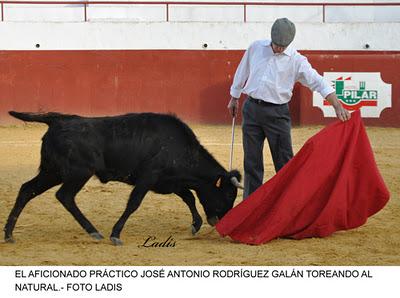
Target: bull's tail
{"type": "Point", "coordinates": [47, 118]}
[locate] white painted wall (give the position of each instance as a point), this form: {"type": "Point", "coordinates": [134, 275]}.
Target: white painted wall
{"type": "Point", "coordinates": [61, 27]}
{"type": "Point", "coordinates": [173, 35]}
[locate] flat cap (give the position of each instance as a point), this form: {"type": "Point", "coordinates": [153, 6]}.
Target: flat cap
{"type": "Point", "coordinates": [283, 32]}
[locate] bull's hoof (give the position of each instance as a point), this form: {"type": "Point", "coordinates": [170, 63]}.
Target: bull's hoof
{"type": "Point", "coordinates": [116, 241]}
{"type": "Point", "coordinates": [196, 226]}
{"type": "Point", "coordinates": [9, 240]}
{"type": "Point", "coordinates": [96, 236]}
{"type": "Point", "coordinates": [194, 230]}
{"type": "Point", "coordinates": [212, 221]}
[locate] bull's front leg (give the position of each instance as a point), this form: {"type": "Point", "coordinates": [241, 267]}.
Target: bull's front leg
{"type": "Point", "coordinates": [190, 200]}
{"type": "Point", "coordinates": [135, 199]}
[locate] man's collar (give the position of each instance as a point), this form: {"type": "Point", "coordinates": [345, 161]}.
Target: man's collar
{"type": "Point", "coordinates": [288, 51]}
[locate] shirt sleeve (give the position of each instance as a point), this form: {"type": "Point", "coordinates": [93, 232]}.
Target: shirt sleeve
{"type": "Point", "coordinates": [310, 78]}
{"type": "Point", "coordinates": [241, 75]}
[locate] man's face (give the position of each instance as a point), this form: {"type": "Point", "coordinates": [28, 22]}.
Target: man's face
{"type": "Point", "coordinates": [277, 49]}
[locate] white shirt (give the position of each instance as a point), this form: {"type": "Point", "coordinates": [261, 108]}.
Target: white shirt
{"type": "Point", "coordinates": [264, 75]}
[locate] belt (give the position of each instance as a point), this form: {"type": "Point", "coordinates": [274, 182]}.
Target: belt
{"type": "Point", "coordinates": [264, 103]}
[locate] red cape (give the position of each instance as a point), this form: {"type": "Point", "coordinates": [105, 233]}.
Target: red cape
{"type": "Point", "coordinates": [331, 184]}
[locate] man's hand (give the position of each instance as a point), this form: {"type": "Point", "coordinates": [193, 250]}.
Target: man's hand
{"type": "Point", "coordinates": [233, 106]}
{"type": "Point", "coordinates": [341, 113]}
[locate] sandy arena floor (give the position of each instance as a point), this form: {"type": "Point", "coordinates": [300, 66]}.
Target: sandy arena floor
{"type": "Point", "coordinates": [46, 234]}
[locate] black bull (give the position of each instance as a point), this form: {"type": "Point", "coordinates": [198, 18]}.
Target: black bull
{"type": "Point", "coordinates": [151, 151]}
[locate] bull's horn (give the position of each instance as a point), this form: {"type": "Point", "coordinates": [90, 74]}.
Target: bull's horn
{"type": "Point", "coordinates": [236, 183]}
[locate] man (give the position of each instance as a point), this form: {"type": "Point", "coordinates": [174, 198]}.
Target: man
{"type": "Point", "coordinates": [267, 74]}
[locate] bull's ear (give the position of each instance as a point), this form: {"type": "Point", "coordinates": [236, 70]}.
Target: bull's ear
{"type": "Point", "coordinates": [218, 182]}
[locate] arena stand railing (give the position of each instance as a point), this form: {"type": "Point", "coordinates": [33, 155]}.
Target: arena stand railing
{"type": "Point", "coordinates": [171, 5]}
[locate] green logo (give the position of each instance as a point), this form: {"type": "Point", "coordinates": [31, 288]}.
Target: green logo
{"type": "Point", "coordinates": [352, 97]}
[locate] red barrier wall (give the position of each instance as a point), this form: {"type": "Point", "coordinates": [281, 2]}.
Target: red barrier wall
{"type": "Point", "coordinates": [193, 84]}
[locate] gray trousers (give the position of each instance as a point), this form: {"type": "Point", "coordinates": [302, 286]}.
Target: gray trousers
{"type": "Point", "coordinates": [262, 121]}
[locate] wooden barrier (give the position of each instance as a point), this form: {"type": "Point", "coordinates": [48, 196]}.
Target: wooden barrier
{"type": "Point", "coordinates": [193, 84]}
